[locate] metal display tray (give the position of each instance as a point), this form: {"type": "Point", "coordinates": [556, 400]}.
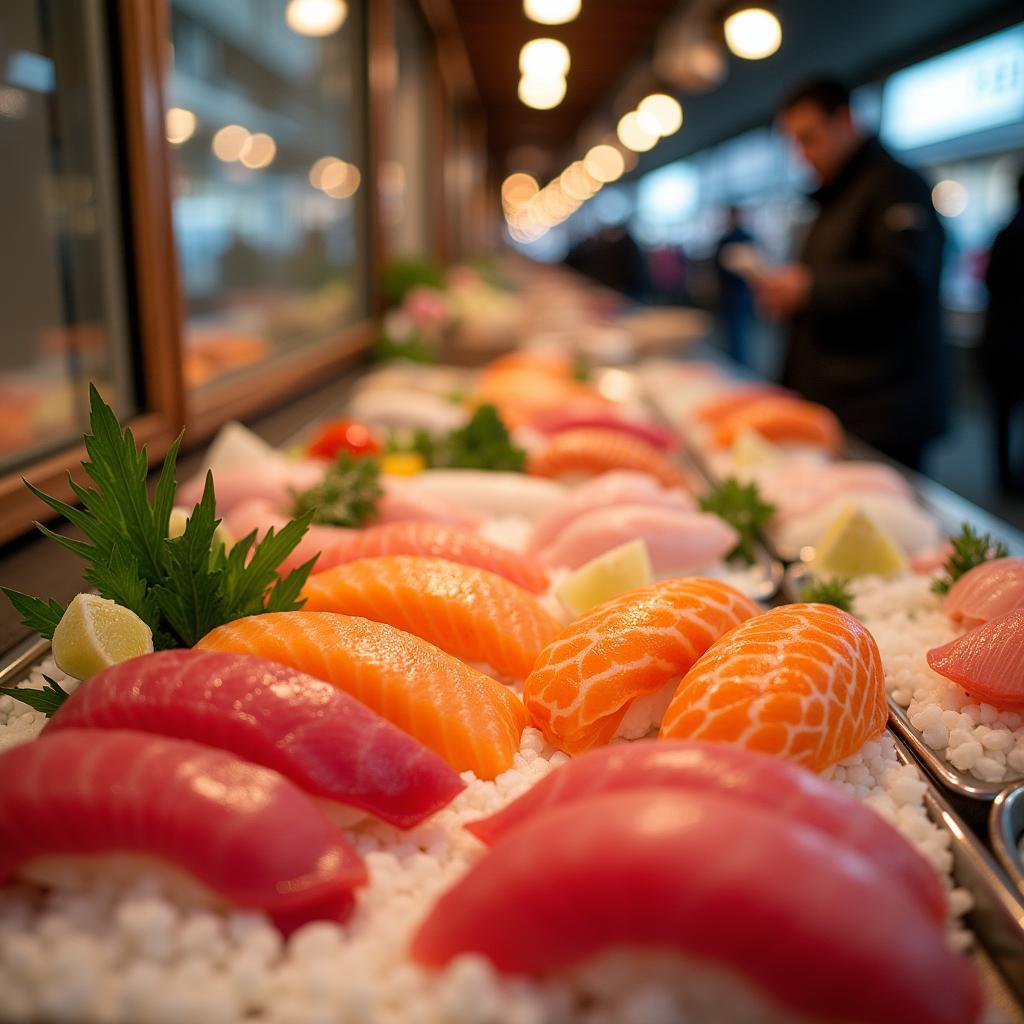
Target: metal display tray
{"type": "Point", "coordinates": [1006, 833]}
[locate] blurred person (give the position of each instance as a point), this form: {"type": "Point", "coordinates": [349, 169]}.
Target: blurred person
{"type": "Point", "coordinates": [735, 298]}
{"type": "Point", "coordinates": [862, 303]}
{"type": "Point", "coordinates": [611, 257]}
{"type": "Point", "coordinates": [1002, 344]}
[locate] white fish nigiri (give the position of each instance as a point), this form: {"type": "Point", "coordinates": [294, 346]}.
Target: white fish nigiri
{"type": "Point", "coordinates": [679, 541]}
{"type": "Point", "coordinates": [488, 493]}
{"type": "Point", "coordinates": [272, 480]}
{"type": "Point", "coordinates": [405, 408]}
{"type": "Point", "coordinates": [986, 592]}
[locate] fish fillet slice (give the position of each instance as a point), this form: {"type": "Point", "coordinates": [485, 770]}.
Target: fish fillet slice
{"type": "Point", "coordinates": [471, 720]}
{"type": "Point", "coordinates": [781, 420]}
{"type": "Point", "coordinates": [803, 682]}
{"type": "Point", "coordinates": [468, 612]}
{"type": "Point", "coordinates": [986, 592]}
{"type": "Point", "coordinates": [633, 645]}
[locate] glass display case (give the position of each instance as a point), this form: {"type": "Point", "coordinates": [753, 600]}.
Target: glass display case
{"type": "Point", "coordinates": [265, 120]}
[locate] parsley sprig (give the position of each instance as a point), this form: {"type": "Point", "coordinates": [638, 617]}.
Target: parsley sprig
{"type": "Point", "coordinates": [828, 591]}
{"type": "Point", "coordinates": [483, 443]}
{"type": "Point", "coordinates": [741, 506]}
{"type": "Point", "coordinates": [347, 496]}
{"type": "Point", "coordinates": [181, 587]}
{"type": "Point", "coordinates": [970, 548]}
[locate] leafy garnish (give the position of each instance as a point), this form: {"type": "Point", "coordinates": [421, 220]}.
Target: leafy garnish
{"type": "Point", "coordinates": [47, 700]}
{"type": "Point", "coordinates": [828, 591]}
{"type": "Point", "coordinates": [970, 548]}
{"type": "Point", "coordinates": [740, 505]}
{"type": "Point", "coordinates": [347, 496]}
{"type": "Point", "coordinates": [181, 587]}
{"type": "Point", "coordinates": [581, 372]}
{"type": "Point", "coordinates": [414, 349]}
{"type": "Point", "coordinates": [483, 443]}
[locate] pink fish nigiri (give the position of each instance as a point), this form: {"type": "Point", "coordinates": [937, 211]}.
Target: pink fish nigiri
{"type": "Point", "coordinates": [679, 541]}
{"type": "Point", "coordinates": [319, 737]}
{"type": "Point", "coordinates": [816, 927]}
{"type": "Point", "coordinates": [986, 592]}
{"type": "Point", "coordinates": [554, 421]}
{"type": "Point", "coordinates": [241, 830]}
{"type": "Point", "coordinates": [727, 773]}
{"type": "Point", "coordinates": [987, 661]}
{"type": "Point", "coordinates": [272, 480]}
{"type": "Point", "coordinates": [619, 487]}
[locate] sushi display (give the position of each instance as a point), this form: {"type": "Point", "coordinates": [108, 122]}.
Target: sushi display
{"type": "Point", "coordinates": [377, 766]}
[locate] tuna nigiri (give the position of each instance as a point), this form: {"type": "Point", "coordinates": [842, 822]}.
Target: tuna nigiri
{"type": "Point", "coordinates": [556, 421]}
{"type": "Point", "coordinates": [783, 419]}
{"type": "Point", "coordinates": [803, 681]}
{"type": "Point", "coordinates": [471, 720]}
{"type": "Point", "coordinates": [727, 773]}
{"type": "Point", "coordinates": [832, 936]}
{"type": "Point", "coordinates": [585, 682]}
{"type": "Point", "coordinates": [319, 737]}
{"type": "Point", "coordinates": [238, 829]}
{"type": "Point", "coordinates": [619, 487]}
{"type": "Point", "coordinates": [987, 661]}
{"type": "Point", "coordinates": [468, 612]}
{"type": "Point", "coordinates": [272, 480]}
{"type": "Point", "coordinates": [586, 453]}
{"type": "Point", "coordinates": [986, 592]}
{"type": "Point", "coordinates": [678, 541]}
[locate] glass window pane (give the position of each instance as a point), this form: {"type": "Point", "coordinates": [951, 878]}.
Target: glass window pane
{"type": "Point", "coordinates": [61, 284]}
{"type": "Point", "coordinates": [266, 125]}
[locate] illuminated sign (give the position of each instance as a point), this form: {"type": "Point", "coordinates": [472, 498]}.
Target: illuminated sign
{"type": "Point", "coordinates": [967, 90]}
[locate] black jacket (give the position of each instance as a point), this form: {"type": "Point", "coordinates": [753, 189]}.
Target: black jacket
{"type": "Point", "coordinates": [869, 345]}
{"type": "Point", "coordinates": [1002, 346]}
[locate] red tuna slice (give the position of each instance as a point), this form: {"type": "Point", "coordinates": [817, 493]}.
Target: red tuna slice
{"type": "Point", "coordinates": [987, 661]}
{"type": "Point", "coordinates": [816, 927]}
{"type": "Point", "coordinates": [986, 592]}
{"type": "Point", "coordinates": [554, 421]}
{"type": "Point", "coordinates": [243, 831]}
{"type": "Point", "coordinates": [728, 773]}
{"type": "Point", "coordinates": [321, 738]}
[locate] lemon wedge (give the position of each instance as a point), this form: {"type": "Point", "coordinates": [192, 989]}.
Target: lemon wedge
{"type": "Point", "coordinates": [623, 568]}
{"type": "Point", "coordinates": [402, 463]}
{"type": "Point", "coordinates": [94, 633]}
{"type": "Point", "coordinates": [752, 449]}
{"type": "Point", "coordinates": [179, 520]}
{"type": "Point", "coordinates": [854, 545]}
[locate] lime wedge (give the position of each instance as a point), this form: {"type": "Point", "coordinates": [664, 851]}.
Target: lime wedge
{"type": "Point", "coordinates": [179, 520]}
{"type": "Point", "coordinates": [854, 545]}
{"type": "Point", "coordinates": [95, 633]}
{"type": "Point", "coordinates": [623, 568]}
{"type": "Point", "coordinates": [752, 449]}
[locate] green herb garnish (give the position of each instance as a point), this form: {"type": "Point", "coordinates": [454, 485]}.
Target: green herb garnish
{"type": "Point", "coordinates": [347, 496]}
{"type": "Point", "coordinates": [47, 700]}
{"type": "Point", "coordinates": [969, 549]}
{"type": "Point", "coordinates": [740, 505]}
{"type": "Point", "coordinates": [182, 587]}
{"type": "Point", "coordinates": [413, 349]}
{"type": "Point", "coordinates": [483, 443]}
{"type": "Point", "coordinates": [581, 372]}
{"type": "Point", "coordinates": [828, 591]}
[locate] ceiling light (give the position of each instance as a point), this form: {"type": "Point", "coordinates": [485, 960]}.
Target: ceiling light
{"type": "Point", "coordinates": [664, 110]}
{"type": "Point", "coordinates": [544, 58]}
{"type": "Point", "coordinates": [604, 163]}
{"type": "Point", "coordinates": [316, 17]}
{"type": "Point", "coordinates": [632, 134]}
{"type": "Point", "coordinates": [259, 150]}
{"type": "Point", "coordinates": [753, 33]}
{"type": "Point", "coordinates": [551, 12]}
{"type": "Point", "coordinates": [518, 189]}
{"type": "Point", "coordinates": [320, 168]}
{"type": "Point", "coordinates": [228, 143]}
{"type": "Point", "coordinates": [577, 183]}
{"type": "Point", "coordinates": [949, 197]}
{"type": "Point", "coordinates": [541, 93]}
{"type": "Point", "coordinates": [341, 180]}
{"type": "Point", "coordinates": [180, 125]}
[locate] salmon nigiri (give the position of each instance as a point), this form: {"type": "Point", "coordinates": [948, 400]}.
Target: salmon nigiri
{"type": "Point", "coordinates": [814, 926]}
{"type": "Point", "coordinates": [986, 592]}
{"type": "Point", "coordinates": [471, 720]}
{"type": "Point", "coordinates": [783, 419]}
{"type": "Point", "coordinates": [627, 648]}
{"type": "Point", "coordinates": [240, 830]}
{"type": "Point", "coordinates": [803, 681]}
{"type": "Point", "coordinates": [468, 612]}
{"type": "Point", "coordinates": [727, 773]}
{"type": "Point", "coordinates": [323, 740]}
{"type": "Point", "coordinates": [987, 661]}
{"type": "Point", "coordinates": [588, 452]}
{"type": "Point", "coordinates": [721, 406]}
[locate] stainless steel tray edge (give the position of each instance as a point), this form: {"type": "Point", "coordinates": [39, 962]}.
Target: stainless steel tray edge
{"type": "Point", "coordinates": [1006, 829]}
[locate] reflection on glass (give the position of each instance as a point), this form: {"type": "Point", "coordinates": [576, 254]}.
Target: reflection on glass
{"type": "Point", "coordinates": [405, 180]}
{"type": "Point", "coordinates": [264, 119]}
{"type": "Point", "coordinates": [61, 297]}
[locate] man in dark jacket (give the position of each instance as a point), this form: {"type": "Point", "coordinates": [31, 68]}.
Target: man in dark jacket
{"type": "Point", "coordinates": [863, 302]}
{"type": "Point", "coordinates": [1002, 347]}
